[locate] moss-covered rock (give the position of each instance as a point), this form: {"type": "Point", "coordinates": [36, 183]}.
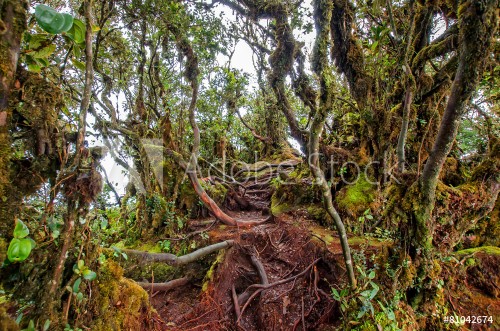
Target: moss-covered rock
{"type": "Point", "coordinates": [356, 198]}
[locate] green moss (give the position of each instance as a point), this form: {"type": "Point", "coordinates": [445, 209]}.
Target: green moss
{"type": "Point", "coordinates": [322, 233]}
{"type": "Point", "coordinates": [161, 272]}
{"type": "Point", "coordinates": [3, 249]}
{"type": "Point", "coordinates": [217, 192]}
{"type": "Point", "coordinates": [357, 197]}
{"type": "Point", "coordinates": [188, 197]}
{"type": "Point", "coordinates": [149, 247]}
{"type": "Point", "coordinates": [317, 212]}
{"type": "Point", "coordinates": [373, 242]}
{"type": "Point", "coordinates": [120, 303]}
{"type": "Point", "coordinates": [209, 276]}
{"type": "Point", "coordinates": [490, 250]}
{"type": "Point", "coordinates": [278, 206]}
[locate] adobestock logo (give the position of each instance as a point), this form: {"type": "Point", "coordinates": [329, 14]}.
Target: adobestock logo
{"type": "Point", "coordinates": [239, 173]}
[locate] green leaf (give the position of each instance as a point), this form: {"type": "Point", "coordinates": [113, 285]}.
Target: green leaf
{"type": "Point", "coordinates": [19, 249]}
{"type": "Point", "coordinates": [372, 274]}
{"type": "Point", "coordinates": [34, 68]}
{"type": "Point", "coordinates": [31, 326]}
{"type": "Point", "coordinates": [373, 293]}
{"type": "Point", "coordinates": [361, 312]}
{"type": "Point", "coordinates": [44, 52]}
{"type": "Point", "coordinates": [52, 21]}
{"type": "Point", "coordinates": [335, 294]}
{"type": "Point", "coordinates": [366, 293]}
{"type": "Point", "coordinates": [81, 263]}
{"type": "Point", "coordinates": [89, 274]}
{"type": "Point", "coordinates": [21, 230]}
{"type": "Point", "coordinates": [79, 296]}
{"type": "Point", "coordinates": [78, 64]}
{"type": "Point", "coordinates": [77, 31]}
{"type": "Point", "coordinates": [104, 223]}
{"type": "Point", "coordinates": [42, 62]}
{"type": "Point", "coordinates": [390, 315]}
{"type": "Point", "coordinates": [38, 40]}
{"type": "Point", "coordinates": [76, 285]}
{"type": "Point", "coordinates": [46, 325]}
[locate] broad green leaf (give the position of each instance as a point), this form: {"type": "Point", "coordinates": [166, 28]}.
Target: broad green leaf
{"type": "Point", "coordinates": [89, 274]}
{"type": "Point", "coordinates": [77, 31]}
{"type": "Point", "coordinates": [76, 285]}
{"type": "Point", "coordinates": [79, 296]}
{"type": "Point", "coordinates": [21, 230]}
{"type": "Point", "coordinates": [372, 274]}
{"type": "Point", "coordinates": [52, 21]}
{"type": "Point", "coordinates": [19, 249]}
{"type": "Point", "coordinates": [46, 325]}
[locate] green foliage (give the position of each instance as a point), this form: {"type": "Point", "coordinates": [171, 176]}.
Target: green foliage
{"type": "Point", "coordinates": [20, 247]}
{"type": "Point", "coordinates": [82, 270]}
{"type": "Point", "coordinates": [165, 245]}
{"type": "Point", "coordinates": [364, 308]}
{"type": "Point", "coordinates": [118, 253]}
{"type": "Point", "coordinates": [363, 222]}
{"type": "Point", "coordinates": [52, 21]}
{"type": "Point", "coordinates": [77, 31]}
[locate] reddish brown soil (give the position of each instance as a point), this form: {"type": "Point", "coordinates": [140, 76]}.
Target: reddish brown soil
{"type": "Point", "coordinates": [285, 250]}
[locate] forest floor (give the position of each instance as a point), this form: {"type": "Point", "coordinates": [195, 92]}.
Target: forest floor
{"type": "Point", "coordinates": [279, 275]}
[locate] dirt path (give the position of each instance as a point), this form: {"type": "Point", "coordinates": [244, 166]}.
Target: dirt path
{"type": "Point", "coordinates": [282, 254]}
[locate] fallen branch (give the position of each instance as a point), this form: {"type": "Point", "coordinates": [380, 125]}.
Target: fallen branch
{"type": "Point", "coordinates": [174, 260]}
{"type": "Point", "coordinates": [164, 286]}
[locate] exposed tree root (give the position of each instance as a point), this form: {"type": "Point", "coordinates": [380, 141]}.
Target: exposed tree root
{"type": "Point", "coordinates": [164, 286]}
{"type": "Point", "coordinates": [174, 260]}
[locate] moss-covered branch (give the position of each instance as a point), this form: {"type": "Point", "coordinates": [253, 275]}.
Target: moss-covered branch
{"type": "Point", "coordinates": [477, 25]}
{"type": "Point", "coordinates": [320, 66]}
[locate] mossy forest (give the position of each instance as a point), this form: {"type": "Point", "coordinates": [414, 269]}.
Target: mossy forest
{"type": "Point", "coordinates": [249, 165]}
